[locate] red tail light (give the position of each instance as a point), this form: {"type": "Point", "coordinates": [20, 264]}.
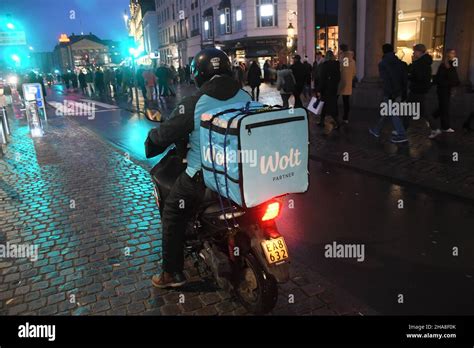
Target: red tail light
{"type": "Point", "coordinates": [272, 211]}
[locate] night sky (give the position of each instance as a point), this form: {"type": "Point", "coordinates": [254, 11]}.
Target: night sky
{"type": "Point", "coordinates": [44, 20]}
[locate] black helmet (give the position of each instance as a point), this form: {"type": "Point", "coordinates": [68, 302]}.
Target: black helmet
{"type": "Point", "coordinates": [208, 63]}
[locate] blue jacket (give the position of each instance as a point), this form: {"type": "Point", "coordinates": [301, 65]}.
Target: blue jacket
{"type": "Point", "coordinates": [183, 126]}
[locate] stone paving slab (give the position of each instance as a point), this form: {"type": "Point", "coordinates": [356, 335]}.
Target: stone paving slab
{"type": "Point", "coordinates": [91, 213]}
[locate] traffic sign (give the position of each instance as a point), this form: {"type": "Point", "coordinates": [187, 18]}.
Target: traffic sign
{"type": "Point", "coordinates": [12, 38]}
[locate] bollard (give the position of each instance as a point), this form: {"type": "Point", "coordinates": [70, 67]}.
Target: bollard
{"type": "Point", "coordinates": [3, 136]}
{"type": "Point", "coordinates": [6, 122]}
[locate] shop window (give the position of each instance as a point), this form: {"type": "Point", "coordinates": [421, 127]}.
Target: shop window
{"type": "Point", "coordinates": [267, 13]}
{"type": "Point", "coordinates": [420, 21]}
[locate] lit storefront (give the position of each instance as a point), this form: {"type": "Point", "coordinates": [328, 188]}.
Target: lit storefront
{"type": "Point", "coordinates": [420, 21]}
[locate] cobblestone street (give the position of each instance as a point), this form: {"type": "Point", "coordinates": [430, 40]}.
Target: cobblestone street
{"type": "Point", "coordinates": [90, 211]}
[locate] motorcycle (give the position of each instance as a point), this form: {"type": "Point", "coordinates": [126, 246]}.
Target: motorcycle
{"type": "Point", "coordinates": [240, 248]}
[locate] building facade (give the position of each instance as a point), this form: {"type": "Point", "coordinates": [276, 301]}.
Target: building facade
{"type": "Point", "coordinates": [135, 23]}
{"type": "Point", "coordinates": [78, 51]}
{"type": "Point", "coordinates": [365, 25]}
{"type": "Point", "coordinates": [245, 29]}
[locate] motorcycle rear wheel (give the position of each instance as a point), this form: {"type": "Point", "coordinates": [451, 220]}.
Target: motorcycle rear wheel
{"type": "Point", "coordinates": [256, 289]}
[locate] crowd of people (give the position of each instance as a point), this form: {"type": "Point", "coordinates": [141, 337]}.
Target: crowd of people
{"type": "Point", "coordinates": [332, 78]}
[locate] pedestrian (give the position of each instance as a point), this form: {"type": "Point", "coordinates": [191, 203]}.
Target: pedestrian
{"type": "Point", "coordinates": [286, 84]}
{"type": "Point", "coordinates": [173, 75]}
{"type": "Point", "coordinates": [90, 82]}
{"type": "Point", "coordinates": [299, 72]}
{"type": "Point", "coordinates": [307, 85]}
{"type": "Point", "coordinates": [181, 74]}
{"type": "Point", "coordinates": [314, 73]}
{"type": "Point", "coordinates": [7, 92]}
{"type": "Point", "coordinates": [83, 82]}
{"type": "Point", "coordinates": [419, 80]}
{"type": "Point", "coordinates": [255, 80]}
{"type": "Point", "coordinates": [238, 74]}
{"type": "Point", "coordinates": [348, 72]}
{"type": "Point", "coordinates": [266, 71]}
{"type": "Point", "coordinates": [74, 81]}
{"type": "Point", "coordinates": [187, 74]}
{"type": "Point", "coordinates": [141, 81]}
{"type": "Point", "coordinates": [446, 79]}
{"type": "Point", "coordinates": [99, 82]}
{"type": "Point", "coordinates": [118, 81]}
{"type": "Point", "coordinates": [330, 76]}
{"type": "Point", "coordinates": [394, 75]}
{"type": "Point", "coordinates": [150, 82]}
{"type": "Point", "coordinates": [67, 81]}
{"type": "Point", "coordinates": [162, 74]}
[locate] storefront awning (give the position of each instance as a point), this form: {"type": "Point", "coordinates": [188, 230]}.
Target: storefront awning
{"type": "Point", "coordinates": [208, 12]}
{"type": "Point", "coordinates": [224, 4]}
{"type": "Point", "coordinates": [255, 52]}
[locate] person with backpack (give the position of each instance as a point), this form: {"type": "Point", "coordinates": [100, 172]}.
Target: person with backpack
{"type": "Point", "coordinates": [286, 84]}
{"type": "Point", "coordinates": [212, 72]}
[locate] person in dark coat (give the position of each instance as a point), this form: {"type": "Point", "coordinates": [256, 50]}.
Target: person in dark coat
{"type": "Point", "coordinates": [419, 77]}
{"type": "Point", "coordinates": [394, 75]}
{"type": "Point", "coordinates": [299, 72]}
{"type": "Point", "coordinates": [446, 79]}
{"type": "Point", "coordinates": [99, 82]}
{"type": "Point", "coordinates": [330, 76]}
{"type": "Point", "coordinates": [307, 86]}
{"type": "Point", "coordinates": [83, 82]}
{"type": "Point", "coordinates": [255, 79]}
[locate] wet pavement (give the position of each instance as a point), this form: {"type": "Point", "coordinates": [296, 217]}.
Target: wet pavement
{"type": "Point", "coordinates": [409, 249]}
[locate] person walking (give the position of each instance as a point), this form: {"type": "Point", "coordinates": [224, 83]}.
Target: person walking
{"type": "Point", "coordinates": [394, 75]}
{"type": "Point", "coordinates": [299, 72]}
{"type": "Point", "coordinates": [286, 84]}
{"type": "Point", "coordinates": [419, 80]}
{"type": "Point", "coordinates": [315, 71]}
{"type": "Point", "coordinates": [307, 85]}
{"type": "Point", "coordinates": [255, 80]}
{"type": "Point", "coordinates": [266, 71]}
{"type": "Point", "coordinates": [330, 76]}
{"type": "Point", "coordinates": [173, 75]}
{"type": "Point", "coordinates": [99, 82]}
{"type": "Point", "coordinates": [150, 82]}
{"type": "Point", "coordinates": [74, 82]}
{"type": "Point", "coordinates": [141, 81]}
{"type": "Point", "coordinates": [90, 82]}
{"type": "Point", "coordinates": [348, 72]}
{"type": "Point", "coordinates": [163, 78]}
{"type": "Point", "coordinates": [446, 79]}
{"type": "Point", "coordinates": [83, 82]}
{"type": "Point", "coordinates": [118, 81]}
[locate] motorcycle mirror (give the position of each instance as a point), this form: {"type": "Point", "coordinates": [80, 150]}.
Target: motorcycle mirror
{"type": "Point", "coordinates": [153, 115]}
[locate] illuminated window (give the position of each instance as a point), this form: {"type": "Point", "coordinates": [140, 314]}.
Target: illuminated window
{"type": "Point", "coordinates": [267, 13]}
{"type": "Point", "coordinates": [422, 21]}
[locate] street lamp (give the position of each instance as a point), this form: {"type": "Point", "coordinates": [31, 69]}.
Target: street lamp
{"type": "Point", "coordinates": [10, 26]}
{"type": "Point", "coordinates": [291, 36]}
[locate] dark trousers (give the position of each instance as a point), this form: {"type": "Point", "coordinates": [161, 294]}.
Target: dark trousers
{"type": "Point", "coordinates": [444, 102]}
{"type": "Point", "coordinates": [297, 95]}
{"type": "Point", "coordinates": [330, 107]}
{"type": "Point", "coordinates": [164, 89]}
{"type": "Point", "coordinates": [143, 89]}
{"type": "Point", "coordinates": [180, 207]}
{"type": "Point", "coordinates": [286, 100]}
{"type": "Point", "coordinates": [346, 101]}
{"type": "Point", "coordinates": [256, 88]}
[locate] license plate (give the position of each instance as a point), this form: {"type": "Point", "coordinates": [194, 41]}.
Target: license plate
{"type": "Point", "coordinates": [275, 250]}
